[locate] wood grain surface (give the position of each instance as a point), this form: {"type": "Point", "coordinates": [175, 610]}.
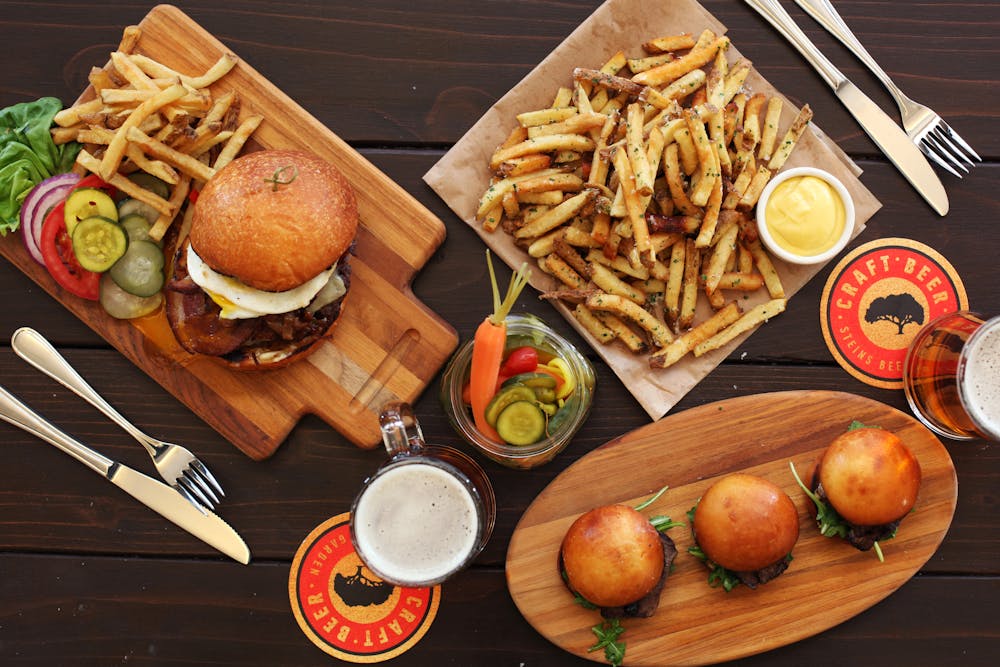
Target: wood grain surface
{"type": "Point", "coordinates": [385, 346]}
{"type": "Point", "coordinates": [761, 435]}
{"type": "Point", "coordinates": [90, 578]}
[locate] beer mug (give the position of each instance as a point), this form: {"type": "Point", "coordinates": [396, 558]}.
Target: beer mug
{"type": "Point", "coordinates": [426, 513]}
{"type": "Point", "coordinates": [952, 376]}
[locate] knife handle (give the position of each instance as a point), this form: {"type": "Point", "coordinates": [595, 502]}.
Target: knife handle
{"type": "Point", "coordinates": [17, 413]}
{"type": "Point", "coordinates": [776, 15]}
{"type": "Point", "coordinates": [824, 13]}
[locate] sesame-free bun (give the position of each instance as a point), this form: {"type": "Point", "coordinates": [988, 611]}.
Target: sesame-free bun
{"type": "Point", "coordinates": [746, 523]}
{"type": "Point", "coordinates": [869, 476]}
{"type": "Point", "coordinates": [612, 556]}
{"type": "Point", "coordinates": [271, 235]}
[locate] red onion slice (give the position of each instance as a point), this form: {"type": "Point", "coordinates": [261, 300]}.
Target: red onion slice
{"type": "Point", "coordinates": [40, 201]}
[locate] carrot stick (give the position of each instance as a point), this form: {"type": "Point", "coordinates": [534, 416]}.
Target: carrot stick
{"type": "Point", "coordinates": [488, 346]}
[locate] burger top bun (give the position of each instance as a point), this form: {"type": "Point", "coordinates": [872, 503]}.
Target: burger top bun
{"type": "Point", "coordinates": [745, 523]}
{"type": "Point", "coordinates": [869, 476]}
{"type": "Point", "coordinates": [273, 219]}
{"type": "Point", "coordinates": [612, 556]}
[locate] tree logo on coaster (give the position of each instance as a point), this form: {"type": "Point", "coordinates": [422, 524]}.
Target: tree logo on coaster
{"type": "Point", "coordinates": [345, 609]}
{"type": "Point", "coordinates": [877, 299]}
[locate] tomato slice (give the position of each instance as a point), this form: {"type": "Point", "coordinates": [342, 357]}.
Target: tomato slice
{"type": "Point", "coordinates": [95, 181]}
{"type": "Point", "coordinates": [57, 251]}
{"type": "Point", "coordinates": [520, 360]}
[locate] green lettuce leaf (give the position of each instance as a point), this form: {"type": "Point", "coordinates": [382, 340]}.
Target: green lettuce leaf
{"type": "Point", "coordinates": [28, 155]}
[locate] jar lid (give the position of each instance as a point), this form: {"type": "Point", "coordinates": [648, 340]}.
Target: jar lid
{"type": "Point", "coordinates": [876, 300]}
{"type": "Point", "coordinates": [347, 611]}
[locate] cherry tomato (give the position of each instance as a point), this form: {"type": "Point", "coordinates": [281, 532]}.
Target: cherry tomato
{"type": "Point", "coordinates": [520, 360]}
{"type": "Point", "coordinates": [57, 251]}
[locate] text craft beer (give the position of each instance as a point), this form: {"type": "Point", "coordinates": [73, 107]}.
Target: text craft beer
{"type": "Point", "coordinates": [952, 376]}
{"type": "Point", "coordinates": [415, 523]}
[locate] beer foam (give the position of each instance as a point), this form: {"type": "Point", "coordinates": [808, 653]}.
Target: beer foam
{"type": "Point", "coordinates": [415, 523]}
{"type": "Point", "coordinates": [981, 377]}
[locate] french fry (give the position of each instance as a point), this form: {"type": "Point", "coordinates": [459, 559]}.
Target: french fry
{"type": "Point", "coordinates": [548, 116]}
{"type": "Point", "coordinates": [769, 131]}
{"type": "Point", "coordinates": [751, 121]}
{"type": "Point", "coordinates": [752, 193]}
{"type": "Point", "coordinates": [161, 170]}
{"type": "Point", "coordinates": [181, 161]}
{"type": "Point", "coordinates": [554, 217]}
{"type": "Point", "coordinates": [767, 270]}
{"type": "Point", "coordinates": [675, 182]}
{"type": "Point", "coordinates": [177, 198]}
{"type": "Point", "coordinates": [622, 307]}
{"type": "Point", "coordinates": [752, 318]}
{"type": "Point", "coordinates": [609, 81]}
{"type": "Point", "coordinates": [697, 57]}
{"type": "Point", "coordinates": [593, 325]}
{"type": "Point", "coordinates": [672, 353]}
{"type": "Point", "coordinates": [606, 279]}
{"type": "Point", "coordinates": [791, 138]}
{"type": "Point", "coordinates": [689, 285]}
{"type": "Point", "coordinates": [635, 205]}
{"type": "Point", "coordinates": [546, 144]}
{"type": "Point", "coordinates": [707, 171]}
{"type": "Point", "coordinates": [556, 266]}
{"type": "Point", "coordinates": [669, 43]}
{"type": "Point", "coordinates": [636, 150]}
{"type": "Point", "coordinates": [723, 249]}
{"type": "Point", "coordinates": [709, 222]}
{"type": "Point", "coordinates": [524, 165]}
{"type": "Point", "coordinates": [741, 281]}
{"type": "Point", "coordinates": [576, 124]}
{"type": "Point", "coordinates": [236, 141]}
{"type": "Point", "coordinates": [622, 331]}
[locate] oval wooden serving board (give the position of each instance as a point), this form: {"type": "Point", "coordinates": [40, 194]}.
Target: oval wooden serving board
{"type": "Point", "coordinates": [827, 582]}
{"type": "Point", "coordinates": [386, 345]}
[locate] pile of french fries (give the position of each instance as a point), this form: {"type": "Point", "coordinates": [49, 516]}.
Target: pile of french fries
{"type": "Point", "coordinates": [146, 116]}
{"type": "Point", "coordinates": [636, 189]}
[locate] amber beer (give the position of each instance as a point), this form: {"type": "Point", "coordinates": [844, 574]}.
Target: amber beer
{"type": "Point", "coordinates": [952, 376]}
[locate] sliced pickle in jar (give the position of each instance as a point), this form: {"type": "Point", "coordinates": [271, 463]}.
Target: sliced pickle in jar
{"type": "Point", "coordinates": [505, 397]}
{"type": "Point", "coordinates": [98, 243]}
{"type": "Point", "coordinates": [521, 423]}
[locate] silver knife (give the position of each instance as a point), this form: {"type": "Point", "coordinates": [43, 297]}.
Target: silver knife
{"type": "Point", "coordinates": [888, 136]}
{"type": "Point", "coordinates": [156, 495]}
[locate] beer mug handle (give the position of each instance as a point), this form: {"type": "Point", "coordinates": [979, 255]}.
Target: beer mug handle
{"type": "Point", "coordinates": [401, 432]}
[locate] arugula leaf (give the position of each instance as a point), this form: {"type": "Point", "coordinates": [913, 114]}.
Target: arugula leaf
{"type": "Point", "coordinates": [28, 155]}
{"type": "Point", "coordinates": [607, 633]}
{"type": "Point", "coordinates": [831, 524]}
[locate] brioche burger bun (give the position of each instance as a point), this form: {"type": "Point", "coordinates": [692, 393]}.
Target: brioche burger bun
{"type": "Point", "coordinates": [612, 556]}
{"type": "Point", "coordinates": [263, 273]}
{"type": "Point", "coordinates": [746, 523]}
{"type": "Point", "coordinates": [869, 476]}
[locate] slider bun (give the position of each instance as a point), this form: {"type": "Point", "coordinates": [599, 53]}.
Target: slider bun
{"type": "Point", "coordinates": [612, 556]}
{"type": "Point", "coordinates": [869, 476]}
{"type": "Point", "coordinates": [274, 237]}
{"type": "Point", "coordinates": [745, 523]}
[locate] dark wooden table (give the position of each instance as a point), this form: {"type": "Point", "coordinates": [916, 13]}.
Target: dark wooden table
{"type": "Point", "coordinates": [88, 577]}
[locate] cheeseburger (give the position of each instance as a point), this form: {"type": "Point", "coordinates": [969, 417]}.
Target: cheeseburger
{"type": "Point", "coordinates": [615, 559]}
{"type": "Point", "coordinates": [745, 527]}
{"type": "Point", "coordinates": [870, 479]}
{"type": "Point", "coordinates": [263, 273]}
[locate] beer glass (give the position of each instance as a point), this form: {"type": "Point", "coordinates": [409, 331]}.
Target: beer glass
{"type": "Point", "coordinates": [952, 376]}
{"type": "Point", "coordinates": [426, 513]}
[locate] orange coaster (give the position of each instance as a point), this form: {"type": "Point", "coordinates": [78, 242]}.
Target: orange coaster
{"type": "Point", "coordinates": [346, 610]}
{"type": "Point", "coordinates": [877, 299]}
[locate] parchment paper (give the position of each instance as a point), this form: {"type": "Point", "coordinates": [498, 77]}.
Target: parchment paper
{"type": "Point", "coordinates": [462, 175]}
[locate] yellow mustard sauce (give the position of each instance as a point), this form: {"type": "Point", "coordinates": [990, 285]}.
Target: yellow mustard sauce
{"type": "Point", "coordinates": [805, 215]}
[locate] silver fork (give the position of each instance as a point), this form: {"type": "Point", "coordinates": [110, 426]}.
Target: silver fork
{"type": "Point", "coordinates": [923, 125]}
{"type": "Point", "coordinates": [177, 465]}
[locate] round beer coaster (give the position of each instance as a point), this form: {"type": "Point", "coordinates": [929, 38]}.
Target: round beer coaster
{"type": "Point", "coordinates": [877, 299]}
{"type": "Point", "coordinates": [346, 610]}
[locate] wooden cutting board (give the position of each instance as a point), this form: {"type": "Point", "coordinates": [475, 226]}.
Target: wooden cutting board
{"type": "Point", "coordinates": [386, 346]}
{"type": "Point", "coordinates": [827, 582]}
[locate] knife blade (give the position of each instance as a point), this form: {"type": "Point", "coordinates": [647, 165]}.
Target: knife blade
{"type": "Point", "coordinates": [156, 495]}
{"type": "Point", "coordinates": [886, 134]}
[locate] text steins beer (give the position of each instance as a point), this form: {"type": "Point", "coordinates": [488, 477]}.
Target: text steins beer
{"type": "Point", "coordinates": [952, 376]}
{"type": "Point", "coordinates": [426, 513]}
